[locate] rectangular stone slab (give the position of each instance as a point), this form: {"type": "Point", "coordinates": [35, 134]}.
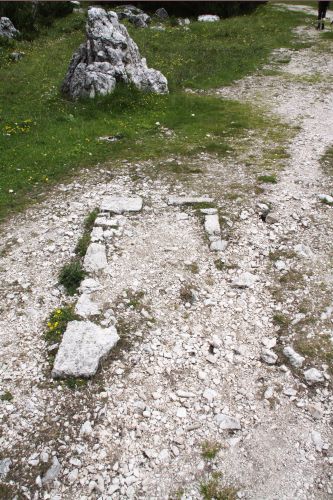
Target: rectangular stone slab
{"type": "Point", "coordinates": [188, 200]}
{"type": "Point", "coordinates": [120, 204]}
{"type": "Point", "coordinates": [82, 348]}
{"type": "Point", "coordinates": [212, 224]}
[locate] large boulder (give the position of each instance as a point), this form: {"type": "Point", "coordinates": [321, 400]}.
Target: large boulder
{"type": "Point", "coordinates": [7, 28]}
{"type": "Point", "coordinates": [109, 56]}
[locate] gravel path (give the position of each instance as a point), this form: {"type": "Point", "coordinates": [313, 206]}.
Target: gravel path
{"type": "Point", "coordinates": [192, 372]}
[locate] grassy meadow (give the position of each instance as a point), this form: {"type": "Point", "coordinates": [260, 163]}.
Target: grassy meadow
{"type": "Point", "coordinates": [45, 139]}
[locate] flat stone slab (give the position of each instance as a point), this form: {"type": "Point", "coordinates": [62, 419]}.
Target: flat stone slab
{"type": "Point", "coordinates": [212, 224]}
{"type": "Point", "coordinates": [85, 307]}
{"type": "Point", "coordinates": [120, 204]}
{"type": "Point", "coordinates": [244, 280]}
{"type": "Point", "coordinates": [188, 200]}
{"type": "Point", "coordinates": [95, 258]}
{"type": "Point", "coordinates": [83, 346]}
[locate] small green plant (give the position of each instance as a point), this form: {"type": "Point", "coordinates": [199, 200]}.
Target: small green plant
{"type": "Point", "coordinates": [267, 179]}
{"type": "Point", "coordinates": [281, 320]}
{"type": "Point", "coordinates": [213, 490]}
{"type": "Point", "coordinates": [57, 324]}
{"type": "Point", "coordinates": [71, 276]}
{"type": "Point", "coordinates": [134, 299]}
{"type": "Point", "coordinates": [186, 294]}
{"type": "Point", "coordinates": [75, 383]}
{"type": "Point", "coordinates": [6, 396]}
{"type": "Point", "coordinates": [84, 241]}
{"type": "Point", "coordinates": [210, 449]}
{"type": "Point", "coordinates": [219, 264]}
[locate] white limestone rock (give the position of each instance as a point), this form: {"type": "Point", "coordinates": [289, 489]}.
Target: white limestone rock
{"type": "Point", "coordinates": [5, 465]}
{"type": "Point", "coordinates": [121, 204]}
{"type": "Point", "coordinates": [53, 472]}
{"type": "Point", "coordinates": [303, 251]}
{"type": "Point", "coordinates": [85, 307]}
{"type": "Point", "coordinates": [83, 346]}
{"type": "Point", "coordinates": [90, 285]}
{"type": "Point", "coordinates": [189, 200]}
{"type": "Point", "coordinates": [7, 28]}
{"type": "Point", "coordinates": [218, 245]}
{"type": "Point", "coordinates": [95, 258]}
{"type": "Point", "coordinates": [295, 359]}
{"type": "Point", "coordinates": [109, 56]}
{"type": "Point", "coordinates": [244, 280]}
{"type": "Point", "coordinates": [313, 376]}
{"type": "Point", "coordinates": [212, 225]}
{"type": "Point", "coordinates": [269, 357]}
{"type": "Point", "coordinates": [228, 423]}
{"type": "Point", "coordinates": [326, 198]}
{"type": "Point", "coordinates": [208, 18]}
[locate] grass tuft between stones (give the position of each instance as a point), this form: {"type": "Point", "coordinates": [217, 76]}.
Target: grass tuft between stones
{"type": "Point", "coordinates": [71, 275]}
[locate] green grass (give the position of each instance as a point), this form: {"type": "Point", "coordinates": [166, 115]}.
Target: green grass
{"type": "Point", "coordinates": [84, 241]}
{"type": "Point", "coordinates": [6, 396]}
{"type": "Point", "coordinates": [209, 450]}
{"type": "Point", "coordinates": [45, 138]}
{"type": "Point", "coordinates": [71, 275]}
{"type": "Point", "coordinates": [212, 489]}
{"type": "Point", "coordinates": [267, 179]}
{"type": "Point", "coordinates": [327, 161]}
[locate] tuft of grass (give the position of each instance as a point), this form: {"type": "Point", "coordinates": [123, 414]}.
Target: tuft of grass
{"type": "Point", "coordinates": [317, 350]}
{"type": "Point", "coordinates": [209, 450]}
{"type": "Point", "coordinates": [281, 320]}
{"type": "Point", "coordinates": [267, 179]}
{"type": "Point", "coordinates": [186, 294]}
{"type": "Point", "coordinates": [327, 161]}
{"type": "Point", "coordinates": [134, 299]}
{"type": "Point", "coordinates": [75, 383]}
{"type": "Point", "coordinates": [6, 396]}
{"type": "Point", "coordinates": [193, 268]}
{"type": "Point", "coordinates": [84, 241]}
{"type": "Point", "coordinates": [292, 279]}
{"type": "Point", "coordinates": [71, 275]}
{"type": "Point", "coordinates": [213, 490]}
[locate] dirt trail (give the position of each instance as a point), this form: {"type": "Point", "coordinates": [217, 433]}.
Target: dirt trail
{"type": "Point", "coordinates": [194, 351]}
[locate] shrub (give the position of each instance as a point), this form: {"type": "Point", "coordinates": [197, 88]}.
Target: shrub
{"type": "Point", "coordinates": [71, 276]}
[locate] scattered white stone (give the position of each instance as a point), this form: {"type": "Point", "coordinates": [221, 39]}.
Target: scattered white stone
{"type": "Point", "coordinates": [106, 222]}
{"type": "Point", "coordinates": [85, 307]}
{"type": "Point", "coordinates": [185, 394]}
{"type": "Point", "coordinates": [218, 245]}
{"type": "Point", "coordinates": [313, 376]}
{"type": "Point", "coordinates": [280, 265]}
{"type": "Point", "coordinates": [95, 258]}
{"type": "Point", "coordinates": [317, 440]}
{"type": "Point", "coordinates": [86, 429]}
{"type": "Point", "coordinates": [97, 234]}
{"type": "Point", "coordinates": [315, 411]}
{"type": "Point", "coordinates": [326, 198]}
{"type": "Point", "coordinates": [121, 204]}
{"type": "Point", "coordinates": [73, 475]}
{"type": "Point", "coordinates": [83, 346]}
{"type": "Point", "coordinates": [208, 18]}
{"type": "Point", "coordinates": [5, 465]}
{"type": "Point", "coordinates": [295, 359]}
{"type": "Point", "coordinates": [290, 391]}
{"type": "Point", "coordinates": [212, 225]}
{"type": "Point", "coordinates": [208, 211]}
{"type": "Point", "coordinates": [181, 412]}
{"type": "Point", "coordinates": [189, 200]}
{"type": "Point", "coordinates": [53, 472]}
{"type": "Point", "coordinates": [226, 422]}
{"type": "Point", "coordinates": [303, 251]}
{"type": "Point", "coordinates": [89, 285]}
{"type": "Point", "coordinates": [268, 342]}
{"type": "Point", "coordinates": [268, 356]}
{"type": "Point", "coordinates": [209, 394]}
{"type": "Point", "coordinates": [244, 280]}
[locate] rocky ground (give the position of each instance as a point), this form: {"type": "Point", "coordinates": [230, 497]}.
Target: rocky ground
{"type": "Point", "coordinates": [200, 393]}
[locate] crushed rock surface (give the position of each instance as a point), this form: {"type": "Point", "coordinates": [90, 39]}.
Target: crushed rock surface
{"type": "Point", "coordinates": [189, 367]}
